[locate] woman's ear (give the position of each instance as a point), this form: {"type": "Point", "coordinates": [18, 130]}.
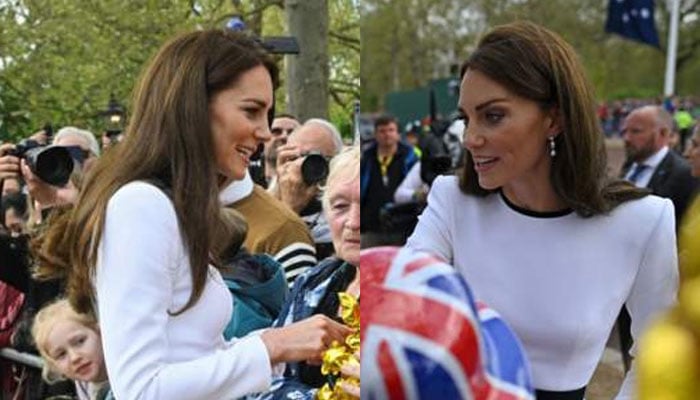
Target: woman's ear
{"type": "Point", "coordinates": [555, 122]}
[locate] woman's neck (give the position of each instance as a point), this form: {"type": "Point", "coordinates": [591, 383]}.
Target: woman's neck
{"type": "Point", "coordinates": [534, 197]}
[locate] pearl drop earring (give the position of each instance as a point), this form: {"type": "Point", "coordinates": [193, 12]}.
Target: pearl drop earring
{"type": "Point", "coordinates": [552, 147]}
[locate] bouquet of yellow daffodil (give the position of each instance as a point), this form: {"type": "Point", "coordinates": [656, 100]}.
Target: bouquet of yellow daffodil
{"type": "Point", "coordinates": [339, 355]}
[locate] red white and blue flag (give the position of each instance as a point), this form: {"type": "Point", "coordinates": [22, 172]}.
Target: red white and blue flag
{"type": "Point", "coordinates": [424, 337]}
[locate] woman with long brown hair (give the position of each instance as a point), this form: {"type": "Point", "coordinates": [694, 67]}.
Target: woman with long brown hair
{"type": "Point", "coordinates": [533, 224]}
{"type": "Point", "coordinates": [136, 247]}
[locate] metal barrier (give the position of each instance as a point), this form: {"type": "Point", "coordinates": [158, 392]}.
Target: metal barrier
{"type": "Point", "coordinates": [23, 358]}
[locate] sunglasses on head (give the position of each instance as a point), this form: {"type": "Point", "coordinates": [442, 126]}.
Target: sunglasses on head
{"type": "Point", "coordinates": [78, 153]}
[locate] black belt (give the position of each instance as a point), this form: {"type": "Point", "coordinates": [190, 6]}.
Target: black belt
{"type": "Point", "coordinates": [570, 395]}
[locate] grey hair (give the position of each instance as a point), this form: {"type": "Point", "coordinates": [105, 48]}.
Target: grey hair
{"type": "Point", "coordinates": [330, 129]}
{"type": "Point", "coordinates": [86, 135]}
{"type": "Point", "coordinates": [346, 161]}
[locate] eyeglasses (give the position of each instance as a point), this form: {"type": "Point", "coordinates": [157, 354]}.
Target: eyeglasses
{"type": "Point", "coordinates": [278, 131]}
{"type": "Point", "coordinates": [78, 153]}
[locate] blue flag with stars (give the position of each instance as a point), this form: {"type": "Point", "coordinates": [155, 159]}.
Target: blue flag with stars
{"type": "Point", "coordinates": [633, 19]}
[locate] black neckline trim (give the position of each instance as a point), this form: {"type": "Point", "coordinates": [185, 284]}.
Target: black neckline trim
{"type": "Point", "coordinates": [534, 214]}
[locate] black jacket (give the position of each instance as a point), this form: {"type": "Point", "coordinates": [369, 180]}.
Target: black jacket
{"type": "Point", "coordinates": [673, 180]}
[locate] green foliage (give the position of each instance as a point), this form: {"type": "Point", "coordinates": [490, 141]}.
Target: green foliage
{"type": "Point", "coordinates": [408, 42]}
{"type": "Point", "coordinates": [344, 58]}
{"type": "Point", "coordinates": [64, 58]}
{"type": "Point", "coordinates": [61, 59]}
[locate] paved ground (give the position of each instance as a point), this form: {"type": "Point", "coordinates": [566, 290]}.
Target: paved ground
{"type": "Point", "coordinates": [608, 375]}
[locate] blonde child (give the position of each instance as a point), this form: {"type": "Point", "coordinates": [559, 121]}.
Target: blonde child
{"type": "Point", "coordinates": [70, 344]}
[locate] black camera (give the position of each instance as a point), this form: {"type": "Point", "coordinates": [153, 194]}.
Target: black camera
{"type": "Point", "coordinates": [314, 168]}
{"type": "Point", "coordinates": [51, 164]}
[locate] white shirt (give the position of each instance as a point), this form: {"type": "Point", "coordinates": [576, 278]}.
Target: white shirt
{"type": "Point", "coordinates": [559, 282]}
{"type": "Point", "coordinates": [143, 274]}
{"type": "Point", "coordinates": [651, 162]}
{"type": "Point", "coordinates": [410, 184]}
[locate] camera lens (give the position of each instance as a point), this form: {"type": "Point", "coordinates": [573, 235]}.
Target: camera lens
{"type": "Point", "coordinates": [52, 164]}
{"type": "Point", "coordinates": [314, 169]}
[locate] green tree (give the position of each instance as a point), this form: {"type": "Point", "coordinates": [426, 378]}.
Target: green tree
{"type": "Point", "coordinates": [617, 67]}
{"type": "Point", "coordinates": [61, 59]}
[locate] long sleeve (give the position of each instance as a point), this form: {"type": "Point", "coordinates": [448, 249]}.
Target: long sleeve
{"type": "Point", "coordinates": [142, 277]}
{"type": "Point", "coordinates": [655, 286]}
{"type": "Point", "coordinates": [432, 234]}
{"type": "Point", "coordinates": [409, 185]}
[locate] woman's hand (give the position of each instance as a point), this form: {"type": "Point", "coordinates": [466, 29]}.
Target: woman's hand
{"type": "Point", "coordinates": [352, 370]}
{"type": "Point", "coordinates": [305, 340]}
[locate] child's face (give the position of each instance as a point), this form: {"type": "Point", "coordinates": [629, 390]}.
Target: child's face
{"type": "Point", "coordinates": [76, 351]}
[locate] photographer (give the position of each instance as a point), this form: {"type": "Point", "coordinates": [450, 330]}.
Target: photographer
{"type": "Point", "coordinates": [302, 166]}
{"type": "Point", "coordinates": [282, 126]}
{"type": "Point", "coordinates": [78, 145]}
{"type": "Point", "coordinates": [53, 176]}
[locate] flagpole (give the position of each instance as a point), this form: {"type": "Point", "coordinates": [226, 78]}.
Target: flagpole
{"type": "Point", "coordinates": [671, 51]}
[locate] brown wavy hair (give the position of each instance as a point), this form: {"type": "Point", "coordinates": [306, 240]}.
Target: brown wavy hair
{"type": "Point", "coordinates": [168, 140]}
{"type": "Point", "coordinates": [537, 64]}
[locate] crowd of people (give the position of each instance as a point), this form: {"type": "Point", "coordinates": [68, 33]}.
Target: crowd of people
{"type": "Point", "coordinates": [171, 264]}
{"type": "Point", "coordinates": [159, 268]}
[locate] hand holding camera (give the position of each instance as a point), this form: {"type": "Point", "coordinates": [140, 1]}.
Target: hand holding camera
{"type": "Point", "coordinates": [298, 175]}
{"type": "Point", "coordinates": [45, 169]}
{"type": "Point", "coordinates": [47, 195]}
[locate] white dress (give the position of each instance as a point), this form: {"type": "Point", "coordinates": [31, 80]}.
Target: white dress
{"type": "Point", "coordinates": [143, 274]}
{"type": "Point", "coordinates": [560, 281]}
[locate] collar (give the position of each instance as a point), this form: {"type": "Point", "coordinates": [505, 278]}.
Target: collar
{"type": "Point", "coordinates": [655, 159]}
{"type": "Point", "coordinates": [236, 190]}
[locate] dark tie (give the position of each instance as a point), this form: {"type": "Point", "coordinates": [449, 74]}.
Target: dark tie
{"type": "Point", "coordinates": [636, 171]}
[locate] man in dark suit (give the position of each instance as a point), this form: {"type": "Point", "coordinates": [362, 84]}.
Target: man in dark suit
{"type": "Point", "coordinates": [651, 163]}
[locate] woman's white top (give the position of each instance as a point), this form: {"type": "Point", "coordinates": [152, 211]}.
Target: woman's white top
{"type": "Point", "coordinates": [143, 274]}
{"type": "Point", "coordinates": [559, 282]}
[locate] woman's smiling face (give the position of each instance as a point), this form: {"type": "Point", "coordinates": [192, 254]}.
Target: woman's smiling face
{"type": "Point", "coordinates": [505, 134]}
{"type": "Point", "coordinates": [239, 121]}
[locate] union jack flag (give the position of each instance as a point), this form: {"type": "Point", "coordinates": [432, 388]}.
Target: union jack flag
{"type": "Point", "coordinates": [423, 338]}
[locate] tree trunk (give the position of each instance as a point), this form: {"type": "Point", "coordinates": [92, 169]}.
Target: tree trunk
{"type": "Point", "coordinates": [307, 73]}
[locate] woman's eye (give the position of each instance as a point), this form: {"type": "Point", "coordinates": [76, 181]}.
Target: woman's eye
{"type": "Point", "coordinates": [494, 117]}
{"type": "Point", "coordinates": [59, 356]}
{"type": "Point", "coordinates": [250, 111]}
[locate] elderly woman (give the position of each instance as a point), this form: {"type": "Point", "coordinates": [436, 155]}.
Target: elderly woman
{"type": "Point", "coordinates": [316, 291]}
